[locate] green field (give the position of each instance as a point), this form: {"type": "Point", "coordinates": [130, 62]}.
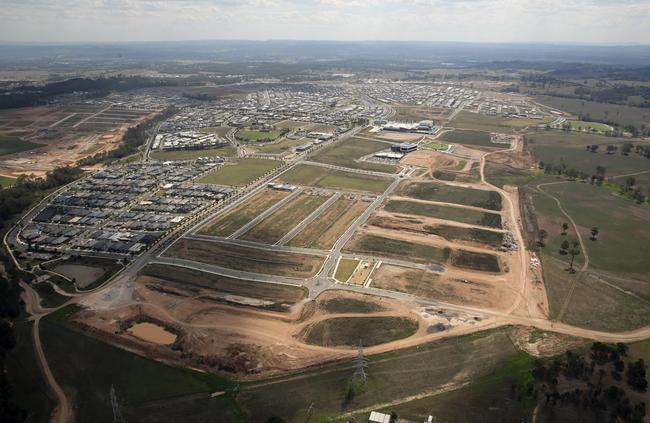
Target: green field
{"type": "Point", "coordinates": [345, 269]}
{"type": "Point", "coordinates": [458, 214]}
{"type": "Point", "coordinates": [350, 331]}
{"type": "Point", "coordinates": [233, 219]}
{"type": "Point", "coordinates": [147, 390]}
{"type": "Point", "coordinates": [481, 122]}
{"type": "Point", "coordinates": [6, 181]}
{"type": "Point", "coordinates": [280, 146]}
{"type": "Point", "coordinates": [467, 137]}
{"type": "Point", "coordinates": [250, 135]}
{"type": "Point", "coordinates": [278, 224]}
{"type": "Point", "coordinates": [432, 191]}
{"type": "Point", "coordinates": [345, 153]}
{"type": "Point", "coordinates": [570, 148]}
{"type": "Point", "coordinates": [226, 151]}
{"type": "Point", "coordinates": [219, 130]}
{"type": "Point", "coordinates": [619, 115]}
{"type": "Point", "coordinates": [10, 144]}
{"type": "Point", "coordinates": [614, 293]}
{"type": "Point", "coordinates": [438, 146]}
{"type": "Point", "coordinates": [242, 173]}
{"type": "Point", "coordinates": [579, 125]}
{"type": "Point", "coordinates": [322, 177]}
{"type": "Point", "coordinates": [397, 249]}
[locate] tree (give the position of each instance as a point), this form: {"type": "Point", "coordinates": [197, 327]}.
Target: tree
{"type": "Point", "coordinates": [542, 234]}
{"type": "Point", "coordinates": [636, 377]}
{"type": "Point", "coordinates": [565, 227]}
{"type": "Point", "coordinates": [626, 148]}
{"type": "Point", "coordinates": [574, 252]}
{"type": "Point", "coordinates": [564, 247]}
{"type": "Point", "coordinates": [594, 233]}
{"type": "Point", "coordinates": [611, 149]}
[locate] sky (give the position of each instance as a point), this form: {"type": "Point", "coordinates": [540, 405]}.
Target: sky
{"type": "Point", "coordinates": [545, 21]}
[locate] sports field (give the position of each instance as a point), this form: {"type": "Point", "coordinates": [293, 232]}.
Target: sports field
{"type": "Point", "coordinates": [459, 136]}
{"type": "Point", "coordinates": [322, 177]}
{"type": "Point", "coordinates": [250, 135]}
{"type": "Point", "coordinates": [242, 173]}
{"type": "Point", "coordinates": [346, 153]}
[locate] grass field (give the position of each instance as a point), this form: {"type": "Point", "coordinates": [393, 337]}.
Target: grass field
{"type": "Point", "coordinates": [481, 122]}
{"type": "Point", "coordinates": [350, 331]}
{"type": "Point", "coordinates": [458, 214]}
{"type": "Point", "coordinates": [614, 294]}
{"type": "Point", "coordinates": [346, 152]}
{"type": "Point", "coordinates": [398, 249]}
{"type": "Point", "coordinates": [226, 151]}
{"type": "Point", "coordinates": [250, 135]}
{"type": "Point", "coordinates": [240, 174]}
{"type": "Point", "coordinates": [317, 176]}
{"type": "Point", "coordinates": [280, 146]}
{"type": "Point", "coordinates": [466, 137]}
{"type": "Point", "coordinates": [579, 125]}
{"type": "Point", "coordinates": [437, 146]}
{"type": "Point", "coordinates": [227, 223]}
{"type": "Point", "coordinates": [557, 147]}
{"type": "Point", "coordinates": [341, 305]}
{"type": "Point", "coordinates": [432, 191]}
{"type": "Point", "coordinates": [86, 368]}
{"type": "Point", "coordinates": [10, 144]}
{"type": "Point", "coordinates": [620, 115]}
{"type": "Point", "coordinates": [278, 224]}
{"type": "Point", "coordinates": [323, 232]}
{"type": "Point", "coordinates": [276, 293]}
{"type": "Point", "coordinates": [345, 269]}
{"type": "Point", "coordinates": [426, 367]}
{"type": "Point", "coordinates": [219, 130]}
{"type": "Point", "coordinates": [246, 259]}
{"type": "Point", "coordinates": [418, 113]}
{"type": "Point", "coordinates": [456, 233]}
{"type": "Point", "coordinates": [482, 262]}
{"type": "Point", "coordinates": [6, 181]}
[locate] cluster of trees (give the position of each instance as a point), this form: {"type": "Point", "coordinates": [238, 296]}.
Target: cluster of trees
{"type": "Point", "coordinates": [631, 190]}
{"type": "Point", "coordinates": [589, 377]}
{"type": "Point", "coordinates": [34, 95]}
{"type": "Point", "coordinates": [133, 139]}
{"type": "Point", "coordinates": [562, 169]}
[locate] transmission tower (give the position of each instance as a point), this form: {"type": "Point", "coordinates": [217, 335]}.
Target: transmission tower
{"type": "Point", "coordinates": [117, 414]}
{"type": "Point", "coordinates": [361, 364]}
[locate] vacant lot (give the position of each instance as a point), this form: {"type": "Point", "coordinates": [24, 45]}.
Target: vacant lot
{"type": "Point", "coordinates": [10, 144]}
{"type": "Point", "coordinates": [432, 191]}
{"type": "Point", "coordinates": [456, 233]}
{"type": "Point", "coordinates": [226, 224]}
{"type": "Point", "coordinates": [459, 136]}
{"type": "Point", "coordinates": [280, 146]}
{"type": "Point", "coordinates": [346, 153]}
{"type": "Point", "coordinates": [242, 173]}
{"type": "Point", "coordinates": [427, 367]}
{"type": "Point", "coordinates": [475, 261]}
{"type": "Point", "coordinates": [327, 178]}
{"type": "Point", "coordinates": [274, 227]}
{"type": "Point", "coordinates": [345, 269]}
{"type": "Point", "coordinates": [323, 232]}
{"type": "Point", "coordinates": [87, 272]}
{"type": "Point", "coordinates": [458, 214]}
{"type": "Point", "coordinates": [570, 149]}
{"type": "Point", "coordinates": [226, 151]}
{"type": "Point", "coordinates": [276, 293]}
{"type": "Point", "coordinates": [398, 249]}
{"type": "Point", "coordinates": [341, 305]}
{"type": "Point", "coordinates": [145, 388]}
{"type": "Point", "coordinates": [246, 259]}
{"type": "Point", "coordinates": [350, 331]}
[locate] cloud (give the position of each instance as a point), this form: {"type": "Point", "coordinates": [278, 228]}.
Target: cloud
{"type": "Point", "coordinates": [596, 21]}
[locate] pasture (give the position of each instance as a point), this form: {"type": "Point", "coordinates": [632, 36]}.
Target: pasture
{"type": "Point", "coordinates": [242, 173]}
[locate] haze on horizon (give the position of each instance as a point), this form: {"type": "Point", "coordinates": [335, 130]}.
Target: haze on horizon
{"type": "Point", "coordinates": [533, 21]}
